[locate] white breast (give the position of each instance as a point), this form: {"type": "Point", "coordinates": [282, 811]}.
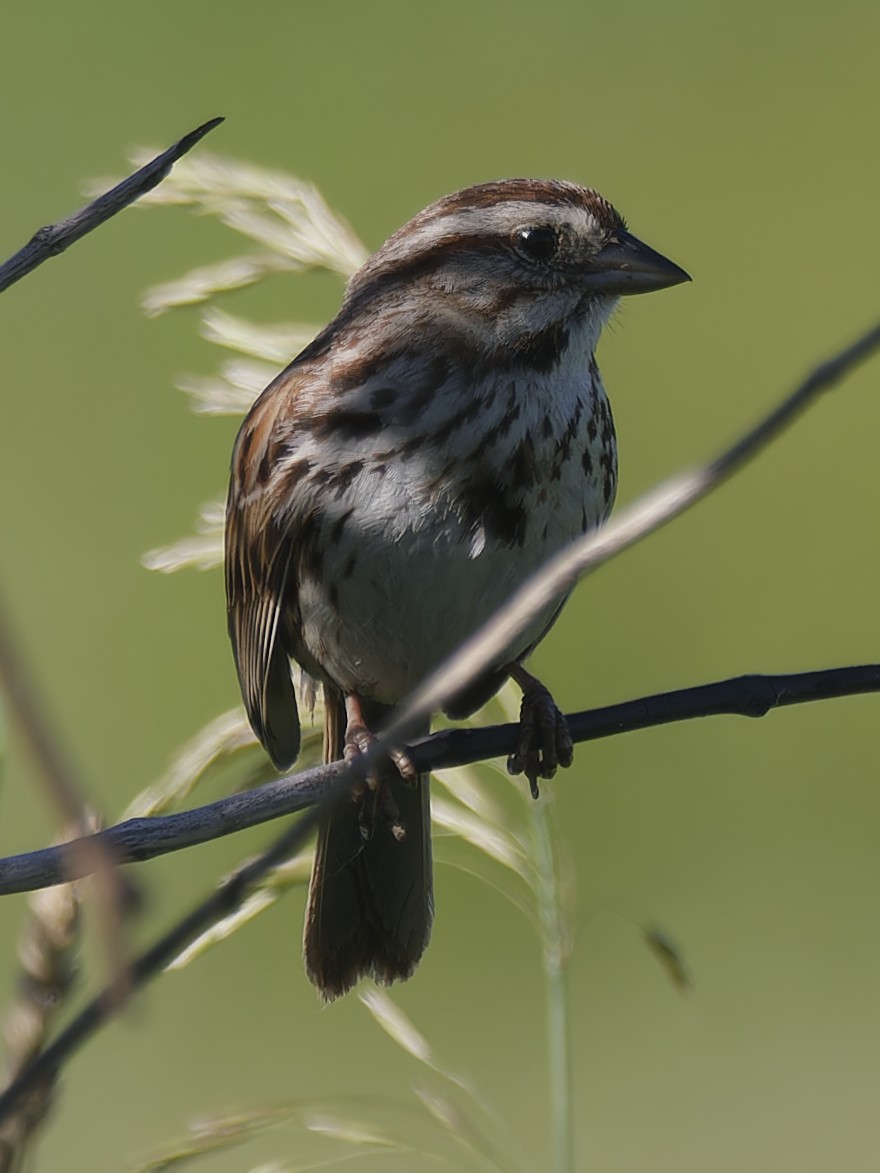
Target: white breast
{"type": "Point", "coordinates": [409, 570]}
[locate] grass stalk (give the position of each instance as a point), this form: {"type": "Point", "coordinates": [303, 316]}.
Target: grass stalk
{"type": "Point", "coordinates": [555, 952]}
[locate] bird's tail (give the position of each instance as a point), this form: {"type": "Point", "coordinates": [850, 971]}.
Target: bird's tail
{"type": "Point", "coordinates": [371, 898]}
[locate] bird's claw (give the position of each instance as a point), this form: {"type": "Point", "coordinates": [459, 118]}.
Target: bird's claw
{"type": "Point", "coordinates": [544, 741]}
{"type": "Point", "coordinates": [375, 796]}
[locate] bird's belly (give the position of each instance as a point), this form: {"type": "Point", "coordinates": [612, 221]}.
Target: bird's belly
{"type": "Point", "coordinates": [407, 582]}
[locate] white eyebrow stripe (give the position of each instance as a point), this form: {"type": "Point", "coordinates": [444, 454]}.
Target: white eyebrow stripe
{"type": "Point", "coordinates": [485, 222]}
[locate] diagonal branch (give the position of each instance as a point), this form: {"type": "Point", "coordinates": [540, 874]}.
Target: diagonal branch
{"type": "Point", "coordinates": [483, 649]}
{"type": "Point", "coordinates": [152, 961]}
{"type": "Point", "coordinates": [15, 677]}
{"type": "Point", "coordinates": [140, 839]}
{"type": "Point", "coordinates": [55, 238]}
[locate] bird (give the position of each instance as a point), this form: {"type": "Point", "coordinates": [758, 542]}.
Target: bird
{"type": "Point", "coordinates": [442, 437]}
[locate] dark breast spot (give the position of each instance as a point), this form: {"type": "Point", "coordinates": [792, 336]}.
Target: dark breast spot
{"type": "Point", "coordinates": [339, 524]}
{"type": "Point", "coordinates": [508, 420]}
{"type": "Point", "coordinates": [409, 448]}
{"type": "Point", "coordinates": [488, 503]}
{"type": "Point", "coordinates": [261, 444]}
{"type": "Point", "coordinates": [523, 466]}
{"type": "Point", "coordinates": [382, 397]}
{"type": "Point", "coordinates": [351, 373]}
{"type": "Point", "coordinates": [309, 548]}
{"type": "Point", "coordinates": [421, 389]}
{"type": "Point", "coordinates": [542, 350]}
{"type": "Point", "coordinates": [410, 407]}
{"type": "Point", "coordinates": [297, 471]}
{"type": "Point", "coordinates": [466, 415]}
{"type": "Point", "coordinates": [342, 478]}
{"type": "Point", "coordinates": [348, 425]}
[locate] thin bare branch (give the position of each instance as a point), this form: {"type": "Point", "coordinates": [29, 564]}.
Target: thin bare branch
{"type": "Point", "coordinates": [750, 696]}
{"type": "Point", "coordinates": [90, 855]}
{"type": "Point", "coordinates": [55, 238]}
{"type": "Point", "coordinates": [140, 839]}
{"type": "Point", "coordinates": [487, 646]}
{"type": "Point", "coordinates": [483, 649]}
{"type": "Point", "coordinates": [149, 964]}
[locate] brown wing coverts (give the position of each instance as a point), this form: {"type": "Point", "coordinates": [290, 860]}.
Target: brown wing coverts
{"type": "Point", "coordinates": [258, 585]}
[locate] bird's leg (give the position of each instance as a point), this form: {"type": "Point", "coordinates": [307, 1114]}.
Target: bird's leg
{"type": "Point", "coordinates": [544, 738]}
{"type": "Point", "coordinates": [376, 798]}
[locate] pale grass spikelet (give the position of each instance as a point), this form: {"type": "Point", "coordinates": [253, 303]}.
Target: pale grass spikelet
{"type": "Point", "coordinates": [344, 1129]}
{"type": "Point", "coordinates": [275, 343]}
{"type": "Point", "coordinates": [491, 839]}
{"type": "Point", "coordinates": [46, 950]}
{"type": "Point", "coordinates": [456, 1122]}
{"type": "Point", "coordinates": [222, 737]}
{"type": "Point", "coordinates": [230, 391]}
{"type": "Point", "coordinates": [299, 232]}
{"type": "Point", "coordinates": [202, 283]}
{"type": "Point", "coordinates": [213, 1134]}
{"type": "Point", "coordinates": [467, 786]}
{"type": "Point", "coordinates": [287, 217]}
{"type": "Point", "coordinates": [294, 873]}
{"type": "Point", "coordinates": [487, 1139]}
{"type": "Point", "coordinates": [240, 381]}
{"type": "Point", "coordinates": [396, 1024]}
{"type": "Point", "coordinates": [348, 1129]}
{"type": "Point", "coordinates": [202, 550]}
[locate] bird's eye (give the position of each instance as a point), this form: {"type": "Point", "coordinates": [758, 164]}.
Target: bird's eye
{"type": "Point", "coordinates": [536, 244]}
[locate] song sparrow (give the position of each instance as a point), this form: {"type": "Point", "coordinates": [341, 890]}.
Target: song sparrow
{"type": "Point", "coordinates": [438, 441]}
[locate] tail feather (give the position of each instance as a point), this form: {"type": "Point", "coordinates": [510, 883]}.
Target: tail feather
{"type": "Point", "coordinates": [371, 901]}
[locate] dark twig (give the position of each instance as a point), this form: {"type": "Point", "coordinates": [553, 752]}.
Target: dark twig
{"type": "Point", "coordinates": [55, 238]}
{"type": "Point", "coordinates": [487, 646]}
{"type": "Point", "coordinates": [150, 963]}
{"type": "Point", "coordinates": [90, 854]}
{"type": "Point", "coordinates": [145, 838]}
{"type": "Point", "coordinates": [750, 696]}
{"type": "Point", "coordinates": [483, 649]}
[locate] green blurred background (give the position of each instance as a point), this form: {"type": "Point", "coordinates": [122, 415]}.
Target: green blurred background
{"type": "Point", "coordinates": [740, 139]}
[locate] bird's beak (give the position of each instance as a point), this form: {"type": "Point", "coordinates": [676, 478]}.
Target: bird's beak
{"type": "Point", "coordinates": [626, 265]}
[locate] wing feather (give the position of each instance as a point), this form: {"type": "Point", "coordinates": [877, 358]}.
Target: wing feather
{"type": "Point", "coordinates": [259, 588]}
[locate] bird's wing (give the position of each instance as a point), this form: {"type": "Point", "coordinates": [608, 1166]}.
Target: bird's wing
{"type": "Point", "coordinates": [260, 552]}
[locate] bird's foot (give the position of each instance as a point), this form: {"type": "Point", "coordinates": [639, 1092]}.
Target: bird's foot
{"type": "Point", "coordinates": [544, 738]}
{"type": "Point", "coordinates": [375, 795]}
